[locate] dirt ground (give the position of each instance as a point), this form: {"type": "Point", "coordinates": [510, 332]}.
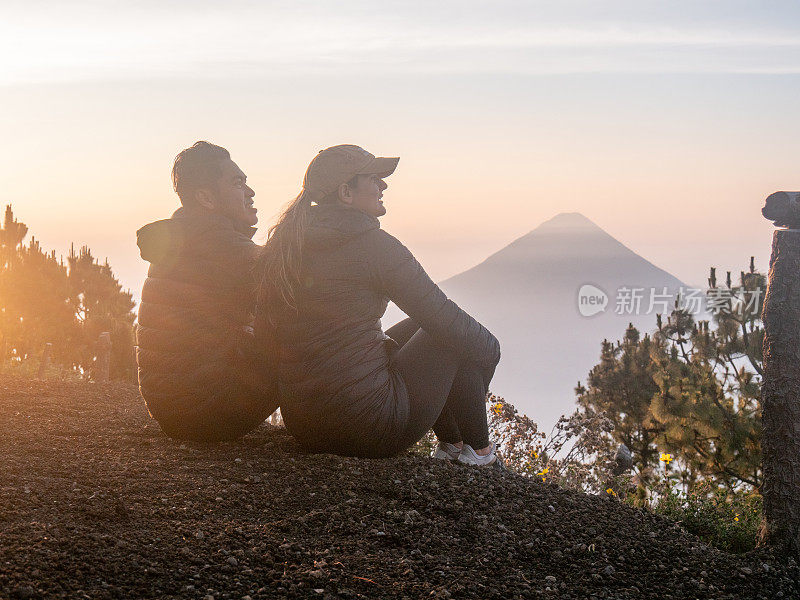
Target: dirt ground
{"type": "Point", "coordinates": [95, 502]}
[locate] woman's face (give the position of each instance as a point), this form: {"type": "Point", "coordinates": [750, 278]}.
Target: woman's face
{"type": "Point", "coordinates": [366, 195]}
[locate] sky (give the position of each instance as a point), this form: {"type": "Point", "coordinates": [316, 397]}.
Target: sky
{"type": "Point", "coordinates": [666, 123]}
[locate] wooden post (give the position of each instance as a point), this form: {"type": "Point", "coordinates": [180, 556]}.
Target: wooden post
{"type": "Point", "coordinates": [45, 362]}
{"type": "Point", "coordinates": [103, 361]}
{"type": "Point", "coordinates": [780, 393]}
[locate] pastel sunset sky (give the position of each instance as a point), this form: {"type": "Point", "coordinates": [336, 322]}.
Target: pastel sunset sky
{"type": "Point", "coordinates": [666, 123]}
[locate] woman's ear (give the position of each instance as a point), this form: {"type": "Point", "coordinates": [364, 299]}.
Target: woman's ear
{"type": "Point", "coordinates": [345, 194]}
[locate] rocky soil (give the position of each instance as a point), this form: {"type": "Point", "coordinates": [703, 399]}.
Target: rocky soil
{"type": "Point", "coordinates": [95, 502]}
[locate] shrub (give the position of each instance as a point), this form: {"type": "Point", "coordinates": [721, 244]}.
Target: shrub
{"type": "Point", "coordinates": [727, 520]}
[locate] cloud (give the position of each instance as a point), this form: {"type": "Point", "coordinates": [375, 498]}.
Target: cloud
{"type": "Point", "coordinates": [243, 39]}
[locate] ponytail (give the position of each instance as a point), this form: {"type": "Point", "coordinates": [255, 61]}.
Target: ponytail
{"type": "Point", "coordinates": [281, 257]}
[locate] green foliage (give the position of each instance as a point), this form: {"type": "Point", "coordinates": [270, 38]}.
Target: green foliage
{"type": "Point", "coordinates": [425, 446]}
{"type": "Point", "coordinates": [42, 300]}
{"type": "Point", "coordinates": [690, 390]}
{"type": "Point", "coordinates": [621, 387]}
{"type": "Point", "coordinates": [100, 304]}
{"type": "Point", "coordinates": [560, 457]}
{"type": "Point", "coordinates": [725, 519]}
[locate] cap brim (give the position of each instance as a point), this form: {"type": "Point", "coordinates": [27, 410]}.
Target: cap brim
{"type": "Point", "coordinates": [383, 167]}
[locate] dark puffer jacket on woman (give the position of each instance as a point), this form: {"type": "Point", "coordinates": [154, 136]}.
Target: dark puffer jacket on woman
{"type": "Point", "coordinates": [198, 369]}
{"type": "Point", "coordinates": [335, 372]}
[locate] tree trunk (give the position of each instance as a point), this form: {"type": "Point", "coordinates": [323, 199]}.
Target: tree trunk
{"type": "Point", "coordinates": [780, 396]}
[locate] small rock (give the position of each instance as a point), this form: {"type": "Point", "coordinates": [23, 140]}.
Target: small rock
{"type": "Point", "coordinates": [746, 570]}
{"type": "Point", "coordinates": [550, 579]}
{"type": "Point", "coordinates": [609, 570]}
{"type": "Point", "coordinates": [551, 508]}
{"type": "Point", "coordinates": [233, 562]}
{"type": "Point", "coordinates": [237, 460]}
{"type": "Point", "coordinates": [25, 591]}
{"type": "Point", "coordinates": [199, 535]}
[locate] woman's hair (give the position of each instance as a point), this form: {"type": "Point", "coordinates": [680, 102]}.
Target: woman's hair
{"type": "Point", "coordinates": [282, 255]}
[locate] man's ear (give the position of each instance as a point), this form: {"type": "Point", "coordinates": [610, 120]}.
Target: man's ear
{"type": "Point", "coordinates": [345, 194]}
{"type": "Point", "coordinates": [203, 198]}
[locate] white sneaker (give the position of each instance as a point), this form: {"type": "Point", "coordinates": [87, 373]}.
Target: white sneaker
{"type": "Point", "coordinates": [468, 456]}
{"type": "Point", "coordinates": [446, 451]}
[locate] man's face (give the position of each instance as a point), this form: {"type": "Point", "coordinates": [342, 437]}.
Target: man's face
{"type": "Point", "coordinates": [233, 197]}
{"type": "Point", "coordinates": [366, 195]}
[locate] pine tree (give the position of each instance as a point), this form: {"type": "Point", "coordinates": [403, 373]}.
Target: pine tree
{"type": "Point", "coordinates": [621, 386]}
{"type": "Point", "coordinates": [44, 300]}
{"type": "Point", "coordinates": [100, 304]}
{"type": "Point", "coordinates": [34, 307]}
{"type": "Point", "coordinates": [690, 391]}
{"type": "Point", "coordinates": [709, 416]}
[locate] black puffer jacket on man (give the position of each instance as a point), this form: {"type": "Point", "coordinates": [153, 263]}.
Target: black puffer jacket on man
{"type": "Point", "coordinates": [198, 369]}
{"type": "Point", "coordinates": [335, 374]}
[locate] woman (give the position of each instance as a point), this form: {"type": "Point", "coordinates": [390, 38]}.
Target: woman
{"type": "Point", "coordinates": [346, 386]}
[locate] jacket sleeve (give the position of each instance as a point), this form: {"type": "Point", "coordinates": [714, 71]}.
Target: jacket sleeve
{"type": "Point", "coordinates": [402, 279]}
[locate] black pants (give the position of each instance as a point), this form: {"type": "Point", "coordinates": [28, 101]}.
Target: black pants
{"type": "Point", "coordinates": [445, 392]}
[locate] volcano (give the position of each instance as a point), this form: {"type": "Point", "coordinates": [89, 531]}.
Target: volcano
{"type": "Point", "coordinates": [551, 297]}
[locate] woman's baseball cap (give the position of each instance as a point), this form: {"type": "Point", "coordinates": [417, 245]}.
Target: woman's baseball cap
{"type": "Point", "coordinates": [339, 164]}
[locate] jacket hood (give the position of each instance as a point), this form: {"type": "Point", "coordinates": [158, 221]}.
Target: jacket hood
{"type": "Point", "coordinates": [332, 225]}
{"type": "Point", "coordinates": [165, 239]}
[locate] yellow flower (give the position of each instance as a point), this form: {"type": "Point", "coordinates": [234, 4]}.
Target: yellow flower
{"type": "Point", "coordinates": [609, 490]}
{"type": "Point", "coordinates": [497, 408]}
{"type": "Point", "coordinates": [736, 518]}
{"type": "Point", "coordinates": [666, 457]}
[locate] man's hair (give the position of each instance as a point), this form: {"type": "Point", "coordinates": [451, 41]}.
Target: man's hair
{"type": "Point", "coordinates": [197, 167]}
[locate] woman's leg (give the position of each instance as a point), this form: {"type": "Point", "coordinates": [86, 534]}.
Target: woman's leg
{"type": "Point", "coordinates": [445, 426]}
{"type": "Point", "coordinates": [466, 404]}
{"type": "Point", "coordinates": [401, 332]}
{"type": "Point", "coordinates": [443, 391]}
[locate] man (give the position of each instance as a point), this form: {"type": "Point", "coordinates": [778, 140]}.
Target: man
{"type": "Point", "coordinates": [198, 370]}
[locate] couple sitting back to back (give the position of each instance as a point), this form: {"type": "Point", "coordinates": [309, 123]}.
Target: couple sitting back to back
{"type": "Point", "coordinates": [228, 331]}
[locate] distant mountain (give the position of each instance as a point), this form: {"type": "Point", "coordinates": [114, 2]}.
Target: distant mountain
{"type": "Point", "coordinates": [527, 295]}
